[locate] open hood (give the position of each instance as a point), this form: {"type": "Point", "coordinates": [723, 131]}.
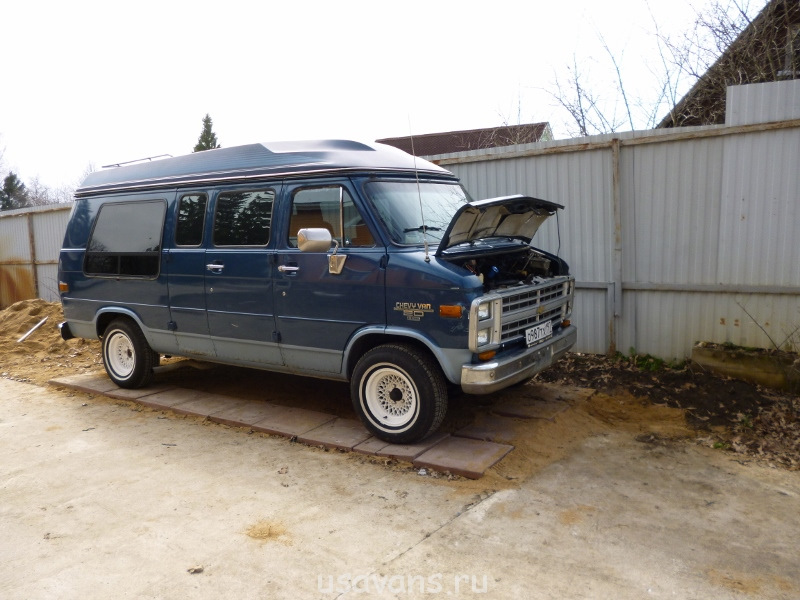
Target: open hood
{"type": "Point", "coordinates": [516, 217]}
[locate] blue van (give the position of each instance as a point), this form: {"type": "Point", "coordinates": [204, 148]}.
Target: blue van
{"type": "Point", "coordinates": [331, 259]}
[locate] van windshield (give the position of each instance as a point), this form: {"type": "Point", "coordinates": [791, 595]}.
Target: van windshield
{"type": "Point", "coordinates": [411, 211]}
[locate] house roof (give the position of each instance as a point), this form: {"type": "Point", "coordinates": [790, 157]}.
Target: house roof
{"type": "Point", "coordinates": [762, 52]}
{"type": "Point", "coordinates": [431, 144]}
{"type": "Point", "coordinates": [255, 161]}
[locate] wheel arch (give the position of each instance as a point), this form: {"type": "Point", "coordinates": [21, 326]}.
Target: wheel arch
{"type": "Point", "coordinates": [365, 340]}
{"type": "Point", "coordinates": [106, 315]}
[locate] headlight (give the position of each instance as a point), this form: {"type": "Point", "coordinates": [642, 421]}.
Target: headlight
{"type": "Point", "coordinates": [483, 337]}
{"type": "Point", "coordinates": [484, 311]}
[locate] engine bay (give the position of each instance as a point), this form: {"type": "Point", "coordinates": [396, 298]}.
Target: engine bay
{"type": "Point", "coordinates": [524, 267]}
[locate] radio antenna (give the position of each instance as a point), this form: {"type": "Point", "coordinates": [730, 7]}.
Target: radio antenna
{"type": "Point", "coordinates": [419, 194]}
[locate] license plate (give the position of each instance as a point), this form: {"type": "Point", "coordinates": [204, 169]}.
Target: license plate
{"type": "Point", "coordinates": [539, 333]}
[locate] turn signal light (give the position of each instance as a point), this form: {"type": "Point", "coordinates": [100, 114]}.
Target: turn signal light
{"type": "Point", "coordinates": [450, 311]}
{"type": "Point", "coordinates": [566, 323]}
{"type": "Point", "coordinates": [63, 287]}
{"type": "Point", "coordinates": [488, 355]}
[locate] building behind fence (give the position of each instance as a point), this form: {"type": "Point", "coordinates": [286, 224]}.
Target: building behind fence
{"type": "Point", "coordinates": [674, 236]}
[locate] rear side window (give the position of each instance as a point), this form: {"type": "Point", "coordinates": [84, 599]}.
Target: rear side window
{"type": "Point", "coordinates": [191, 218]}
{"type": "Point", "coordinates": [126, 239]}
{"type": "Point", "coordinates": [243, 218]}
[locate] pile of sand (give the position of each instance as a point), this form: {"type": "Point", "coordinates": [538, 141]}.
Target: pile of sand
{"type": "Point", "coordinates": [43, 355]}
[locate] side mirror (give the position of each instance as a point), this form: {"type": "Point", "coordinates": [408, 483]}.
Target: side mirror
{"type": "Point", "coordinates": [314, 239]}
{"type": "Point", "coordinates": [318, 239]}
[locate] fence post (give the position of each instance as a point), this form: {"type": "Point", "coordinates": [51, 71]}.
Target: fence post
{"type": "Point", "coordinates": [616, 308]}
{"type": "Point", "coordinates": [32, 245]}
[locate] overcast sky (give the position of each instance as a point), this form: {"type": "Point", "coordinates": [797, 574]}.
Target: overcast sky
{"type": "Point", "coordinates": [92, 83]}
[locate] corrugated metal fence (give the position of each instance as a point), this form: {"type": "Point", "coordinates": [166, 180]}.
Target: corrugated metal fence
{"type": "Point", "coordinates": [674, 236]}
{"type": "Point", "coordinates": [30, 240]}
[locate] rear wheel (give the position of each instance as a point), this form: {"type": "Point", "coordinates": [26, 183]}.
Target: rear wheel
{"type": "Point", "coordinates": [399, 393]}
{"type": "Point", "coordinates": [128, 358]}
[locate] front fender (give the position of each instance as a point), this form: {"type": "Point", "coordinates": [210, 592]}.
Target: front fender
{"type": "Point", "coordinates": [449, 359]}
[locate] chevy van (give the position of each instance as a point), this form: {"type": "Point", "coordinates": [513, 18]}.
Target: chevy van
{"type": "Point", "coordinates": [332, 259]}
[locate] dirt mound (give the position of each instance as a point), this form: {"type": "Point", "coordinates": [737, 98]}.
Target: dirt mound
{"type": "Point", "coordinates": [43, 354]}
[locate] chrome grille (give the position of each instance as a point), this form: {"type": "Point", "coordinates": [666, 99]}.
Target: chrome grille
{"type": "Point", "coordinates": [526, 308]}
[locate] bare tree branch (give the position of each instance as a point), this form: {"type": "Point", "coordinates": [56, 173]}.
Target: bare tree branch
{"type": "Point", "coordinates": [620, 85]}
{"type": "Point", "coordinates": [732, 42]}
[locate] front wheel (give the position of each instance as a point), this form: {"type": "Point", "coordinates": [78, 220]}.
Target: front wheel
{"type": "Point", "coordinates": [399, 393]}
{"type": "Point", "coordinates": [128, 358]}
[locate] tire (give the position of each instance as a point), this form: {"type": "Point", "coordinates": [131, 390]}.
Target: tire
{"type": "Point", "coordinates": [399, 393]}
{"type": "Point", "coordinates": [127, 357]}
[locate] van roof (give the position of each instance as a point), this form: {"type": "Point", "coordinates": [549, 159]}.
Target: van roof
{"type": "Point", "coordinates": [254, 161]}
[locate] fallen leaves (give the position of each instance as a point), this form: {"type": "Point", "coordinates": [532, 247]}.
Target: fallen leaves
{"type": "Point", "coordinates": [741, 417]}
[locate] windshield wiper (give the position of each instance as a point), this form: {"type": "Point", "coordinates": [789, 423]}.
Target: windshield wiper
{"type": "Point", "coordinates": [421, 228]}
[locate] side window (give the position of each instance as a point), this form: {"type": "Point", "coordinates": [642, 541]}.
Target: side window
{"type": "Point", "coordinates": [191, 218]}
{"type": "Point", "coordinates": [243, 218]}
{"type": "Point", "coordinates": [126, 239]}
{"type": "Point", "coordinates": [328, 207]}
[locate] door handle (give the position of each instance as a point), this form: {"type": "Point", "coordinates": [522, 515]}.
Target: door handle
{"type": "Point", "coordinates": [287, 269]}
{"type": "Point", "coordinates": [215, 267]}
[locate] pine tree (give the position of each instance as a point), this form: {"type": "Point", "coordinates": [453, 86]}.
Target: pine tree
{"type": "Point", "coordinates": [13, 194]}
{"type": "Point", "coordinates": [207, 139]}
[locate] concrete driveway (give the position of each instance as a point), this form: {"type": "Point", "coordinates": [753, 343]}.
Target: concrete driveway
{"type": "Point", "coordinates": [102, 499]}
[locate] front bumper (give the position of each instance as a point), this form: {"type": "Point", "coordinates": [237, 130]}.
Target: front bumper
{"type": "Point", "coordinates": [489, 377]}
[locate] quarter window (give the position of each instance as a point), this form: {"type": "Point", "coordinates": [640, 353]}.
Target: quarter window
{"type": "Point", "coordinates": [126, 239]}
{"type": "Point", "coordinates": [243, 218]}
